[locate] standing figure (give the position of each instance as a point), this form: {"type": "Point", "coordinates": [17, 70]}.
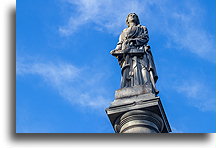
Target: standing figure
{"type": "Point", "coordinates": [135, 57]}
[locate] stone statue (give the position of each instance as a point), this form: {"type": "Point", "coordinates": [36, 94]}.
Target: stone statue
{"type": "Point", "coordinates": [136, 108]}
{"type": "Point", "coordinates": [135, 57]}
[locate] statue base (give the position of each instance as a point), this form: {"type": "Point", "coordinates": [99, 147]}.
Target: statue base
{"type": "Point", "coordinates": [135, 111]}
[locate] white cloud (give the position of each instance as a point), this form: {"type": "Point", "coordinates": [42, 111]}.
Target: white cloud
{"type": "Point", "coordinates": [180, 23]}
{"type": "Point", "coordinates": [107, 15]}
{"type": "Point", "coordinates": [78, 86]}
{"type": "Point", "coordinates": [187, 33]}
{"type": "Point", "coordinates": [175, 130]}
{"type": "Point", "coordinates": [198, 94]}
{"type": "Point", "coordinates": [54, 73]}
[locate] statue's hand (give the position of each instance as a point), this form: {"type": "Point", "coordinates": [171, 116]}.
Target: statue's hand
{"type": "Point", "coordinates": [131, 42]}
{"type": "Point", "coordinates": [112, 51]}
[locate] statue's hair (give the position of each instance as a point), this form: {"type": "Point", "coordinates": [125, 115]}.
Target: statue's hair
{"type": "Point", "coordinates": [138, 22]}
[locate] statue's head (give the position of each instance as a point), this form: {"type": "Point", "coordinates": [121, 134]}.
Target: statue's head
{"type": "Point", "coordinates": [132, 17]}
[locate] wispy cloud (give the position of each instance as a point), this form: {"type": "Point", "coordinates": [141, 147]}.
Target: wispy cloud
{"type": "Point", "coordinates": [78, 86]}
{"type": "Point", "coordinates": [106, 15]}
{"type": "Point", "coordinates": [180, 24]}
{"type": "Point", "coordinates": [198, 94]}
{"type": "Point", "coordinates": [175, 130]}
{"type": "Point", "coordinates": [185, 30]}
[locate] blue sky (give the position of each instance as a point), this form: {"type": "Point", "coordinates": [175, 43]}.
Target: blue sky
{"type": "Point", "coordinates": [65, 76]}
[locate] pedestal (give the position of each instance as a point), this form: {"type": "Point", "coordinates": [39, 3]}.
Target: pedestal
{"type": "Point", "coordinates": [135, 111]}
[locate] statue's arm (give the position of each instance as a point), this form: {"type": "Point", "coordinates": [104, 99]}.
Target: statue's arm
{"type": "Point", "coordinates": [119, 44]}
{"type": "Point", "coordinates": [143, 38]}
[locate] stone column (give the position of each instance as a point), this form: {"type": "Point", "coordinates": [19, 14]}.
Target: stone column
{"type": "Point", "coordinates": [139, 121]}
{"type": "Point", "coordinates": [135, 111]}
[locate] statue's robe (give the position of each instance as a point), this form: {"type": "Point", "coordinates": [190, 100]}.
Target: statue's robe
{"type": "Point", "coordinates": [136, 69]}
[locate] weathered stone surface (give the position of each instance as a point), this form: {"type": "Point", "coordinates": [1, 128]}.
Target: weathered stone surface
{"type": "Point", "coordinates": [132, 91]}
{"type": "Point", "coordinates": [135, 57]}
{"type": "Point", "coordinates": [139, 121]}
{"type": "Point", "coordinates": [144, 102]}
{"type": "Point", "coordinates": [136, 108]}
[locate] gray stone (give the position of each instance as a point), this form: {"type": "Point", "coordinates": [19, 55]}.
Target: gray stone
{"type": "Point", "coordinates": [132, 91]}
{"type": "Point", "coordinates": [136, 108]}
{"type": "Point", "coordinates": [139, 121]}
{"type": "Point", "coordinates": [135, 57]}
{"type": "Point", "coordinates": [143, 102]}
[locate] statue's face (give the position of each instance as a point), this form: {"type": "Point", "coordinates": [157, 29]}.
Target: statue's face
{"type": "Point", "coordinates": [132, 17]}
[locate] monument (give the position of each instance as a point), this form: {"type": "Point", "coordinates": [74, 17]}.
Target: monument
{"type": "Point", "coordinates": [136, 108]}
